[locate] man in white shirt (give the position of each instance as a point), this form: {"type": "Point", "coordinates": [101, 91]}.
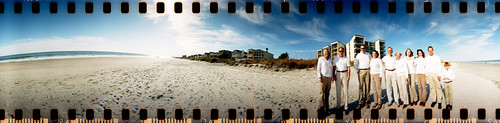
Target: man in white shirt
{"type": "Point", "coordinates": [341, 75]}
{"type": "Point", "coordinates": [433, 67]}
{"type": "Point", "coordinates": [325, 73]}
{"type": "Point", "coordinates": [390, 77]}
{"type": "Point", "coordinates": [362, 66]}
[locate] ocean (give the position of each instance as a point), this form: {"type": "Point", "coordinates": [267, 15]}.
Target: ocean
{"type": "Point", "coordinates": [487, 61]}
{"type": "Point", "coordinates": [62, 55]}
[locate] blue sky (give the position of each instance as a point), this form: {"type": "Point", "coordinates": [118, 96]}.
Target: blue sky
{"type": "Point", "coordinates": [455, 36]}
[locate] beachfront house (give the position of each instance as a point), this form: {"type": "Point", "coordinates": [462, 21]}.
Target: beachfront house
{"type": "Point", "coordinates": [258, 54]}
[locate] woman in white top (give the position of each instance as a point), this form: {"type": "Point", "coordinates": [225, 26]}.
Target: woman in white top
{"type": "Point", "coordinates": [447, 77]}
{"type": "Point", "coordinates": [410, 61]}
{"type": "Point", "coordinates": [376, 69]}
{"type": "Point", "coordinates": [402, 78]}
{"type": "Point", "coordinates": [420, 76]}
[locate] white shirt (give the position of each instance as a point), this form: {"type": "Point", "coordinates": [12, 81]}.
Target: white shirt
{"type": "Point", "coordinates": [376, 67]}
{"type": "Point", "coordinates": [389, 62]}
{"type": "Point", "coordinates": [433, 64]}
{"type": "Point", "coordinates": [447, 73]}
{"type": "Point", "coordinates": [362, 61]}
{"type": "Point", "coordinates": [420, 65]}
{"type": "Point", "coordinates": [411, 65]}
{"type": "Point", "coordinates": [325, 67]}
{"type": "Point", "coordinates": [341, 64]}
{"type": "Point", "coordinates": [401, 67]}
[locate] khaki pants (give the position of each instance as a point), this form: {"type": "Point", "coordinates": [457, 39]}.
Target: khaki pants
{"type": "Point", "coordinates": [403, 92]}
{"type": "Point", "coordinates": [411, 88]}
{"type": "Point", "coordinates": [377, 90]}
{"type": "Point", "coordinates": [391, 86]}
{"type": "Point", "coordinates": [436, 92]}
{"type": "Point", "coordinates": [325, 92]}
{"type": "Point", "coordinates": [422, 90]}
{"type": "Point", "coordinates": [447, 91]}
{"type": "Point", "coordinates": [364, 85]}
{"type": "Point", "coordinates": [342, 86]}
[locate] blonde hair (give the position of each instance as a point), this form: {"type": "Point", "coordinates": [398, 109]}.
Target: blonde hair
{"type": "Point", "coordinates": [397, 53]}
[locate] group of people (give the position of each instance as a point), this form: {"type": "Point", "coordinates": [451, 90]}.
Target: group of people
{"type": "Point", "coordinates": [402, 76]}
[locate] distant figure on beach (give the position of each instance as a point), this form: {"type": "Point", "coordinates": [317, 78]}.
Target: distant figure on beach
{"type": "Point", "coordinates": [420, 73]}
{"type": "Point", "coordinates": [433, 67]}
{"type": "Point", "coordinates": [376, 70]}
{"type": "Point", "coordinates": [362, 66]}
{"type": "Point", "coordinates": [325, 73]}
{"type": "Point", "coordinates": [342, 73]}
{"type": "Point", "coordinates": [447, 77]}
{"type": "Point", "coordinates": [390, 77]}
{"type": "Point", "coordinates": [410, 62]}
{"type": "Point", "coordinates": [402, 79]}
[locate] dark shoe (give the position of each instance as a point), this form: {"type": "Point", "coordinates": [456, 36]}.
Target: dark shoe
{"type": "Point", "coordinates": [404, 106]}
{"type": "Point", "coordinates": [390, 103]}
{"type": "Point", "coordinates": [433, 104]}
{"type": "Point", "coordinates": [422, 104]}
{"type": "Point", "coordinates": [379, 106]}
{"type": "Point", "coordinates": [359, 106]}
{"type": "Point", "coordinates": [439, 106]}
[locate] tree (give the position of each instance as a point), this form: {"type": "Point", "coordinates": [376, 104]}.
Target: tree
{"type": "Point", "coordinates": [283, 56]}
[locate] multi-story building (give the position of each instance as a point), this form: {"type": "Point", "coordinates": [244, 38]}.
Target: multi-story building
{"type": "Point", "coordinates": [238, 54]}
{"type": "Point", "coordinates": [258, 54]}
{"type": "Point", "coordinates": [353, 47]}
{"type": "Point", "coordinates": [334, 47]}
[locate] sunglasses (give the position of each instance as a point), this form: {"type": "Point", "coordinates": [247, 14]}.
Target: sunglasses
{"type": "Point", "coordinates": [341, 51]}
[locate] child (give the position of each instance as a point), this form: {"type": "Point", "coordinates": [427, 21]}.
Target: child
{"type": "Point", "coordinates": [447, 77]}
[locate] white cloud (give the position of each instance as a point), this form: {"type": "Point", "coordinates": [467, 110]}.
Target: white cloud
{"type": "Point", "coordinates": [314, 29]}
{"type": "Point", "coordinates": [257, 17]}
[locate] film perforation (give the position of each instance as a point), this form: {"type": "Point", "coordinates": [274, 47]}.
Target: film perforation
{"type": "Point", "coordinates": [214, 7]}
{"type": "Point", "coordinates": [374, 114]}
{"type": "Point", "coordinates": [195, 7]}
{"type": "Point", "coordinates": [143, 7]}
{"type": "Point", "coordinates": [35, 7]}
{"type": "Point", "coordinates": [54, 114]}
{"type": "Point", "coordinates": [143, 114]}
{"type": "Point", "coordinates": [106, 7]}
{"type": "Point", "coordinates": [356, 114]}
{"type": "Point", "coordinates": [338, 7]}
{"type": "Point", "coordinates": [18, 7]}
{"type": "Point", "coordinates": [108, 114]}
{"type": "Point", "coordinates": [267, 7]}
{"type": "Point", "coordinates": [53, 7]}
{"type": "Point", "coordinates": [410, 114]}
{"type": "Point", "coordinates": [462, 6]}
{"type": "Point", "coordinates": [89, 7]}
{"type": "Point", "coordinates": [124, 7]}
{"type": "Point", "coordinates": [179, 114]}
{"type": "Point", "coordinates": [71, 114]}
{"type": "Point", "coordinates": [427, 7]}
{"type": "Point", "coordinates": [2, 114]}
{"type": "Point", "coordinates": [285, 114]}
{"type": "Point", "coordinates": [303, 114]}
{"type": "Point", "coordinates": [393, 114]}
{"type": "Point", "coordinates": [464, 113]}
{"type": "Point", "coordinates": [125, 114]}
{"type": "Point", "coordinates": [214, 114]}
{"type": "Point", "coordinates": [18, 114]}
{"type": "Point", "coordinates": [2, 7]}
{"type": "Point", "coordinates": [446, 114]}
{"type": "Point", "coordinates": [178, 7]}
{"type": "Point", "coordinates": [231, 7]}
{"type": "Point", "coordinates": [231, 114]}
{"type": "Point", "coordinates": [302, 7]}
{"type": "Point", "coordinates": [250, 114]}
{"type": "Point", "coordinates": [497, 7]}
{"type": "Point", "coordinates": [197, 114]}
{"type": "Point", "coordinates": [249, 7]}
{"type": "Point", "coordinates": [410, 7]}
{"type": "Point", "coordinates": [160, 7]}
{"type": "Point", "coordinates": [445, 7]}
{"type": "Point", "coordinates": [391, 7]}
{"type": "Point", "coordinates": [497, 113]}
{"type": "Point", "coordinates": [71, 7]}
{"type": "Point", "coordinates": [268, 114]}
{"type": "Point", "coordinates": [36, 114]}
{"type": "Point", "coordinates": [481, 114]}
{"type": "Point", "coordinates": [320, 7]}
{"type": "Point", "coordinates": [285, 7]}
{"type": "Point", "coordinates": [427, 114]}
{"type": "Point", "coordinates": [89, 114]}
{"type": "Point", "coordinates": [481, 7]}
{"type": "Point", "coordinates": [374, 6]}
{"type": "Point", "coordinates": [356, 7]}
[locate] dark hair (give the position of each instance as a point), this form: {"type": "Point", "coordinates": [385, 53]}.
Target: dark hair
{"type": "Point", "coordinates": [411, 52]}
{"type": "Point", "coordinates": [376, 52]}
{"type": "Point", "coordinates": [430, 47]}
{"type": "Point", "coordinates": [423, 54]}
{"type": "Point", "coordinates": [343, 49]}
{"type": "Point", "coordinates": [447, 64]}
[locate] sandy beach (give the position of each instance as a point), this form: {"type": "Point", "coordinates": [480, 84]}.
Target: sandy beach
{"type": "Point", "coordinates": [152, 83]}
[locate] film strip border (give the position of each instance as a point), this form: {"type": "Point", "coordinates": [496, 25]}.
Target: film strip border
{"type": "Point", "coordinates": [249, 6]}
{"type": "Point", "coordinates": [250, 116]}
